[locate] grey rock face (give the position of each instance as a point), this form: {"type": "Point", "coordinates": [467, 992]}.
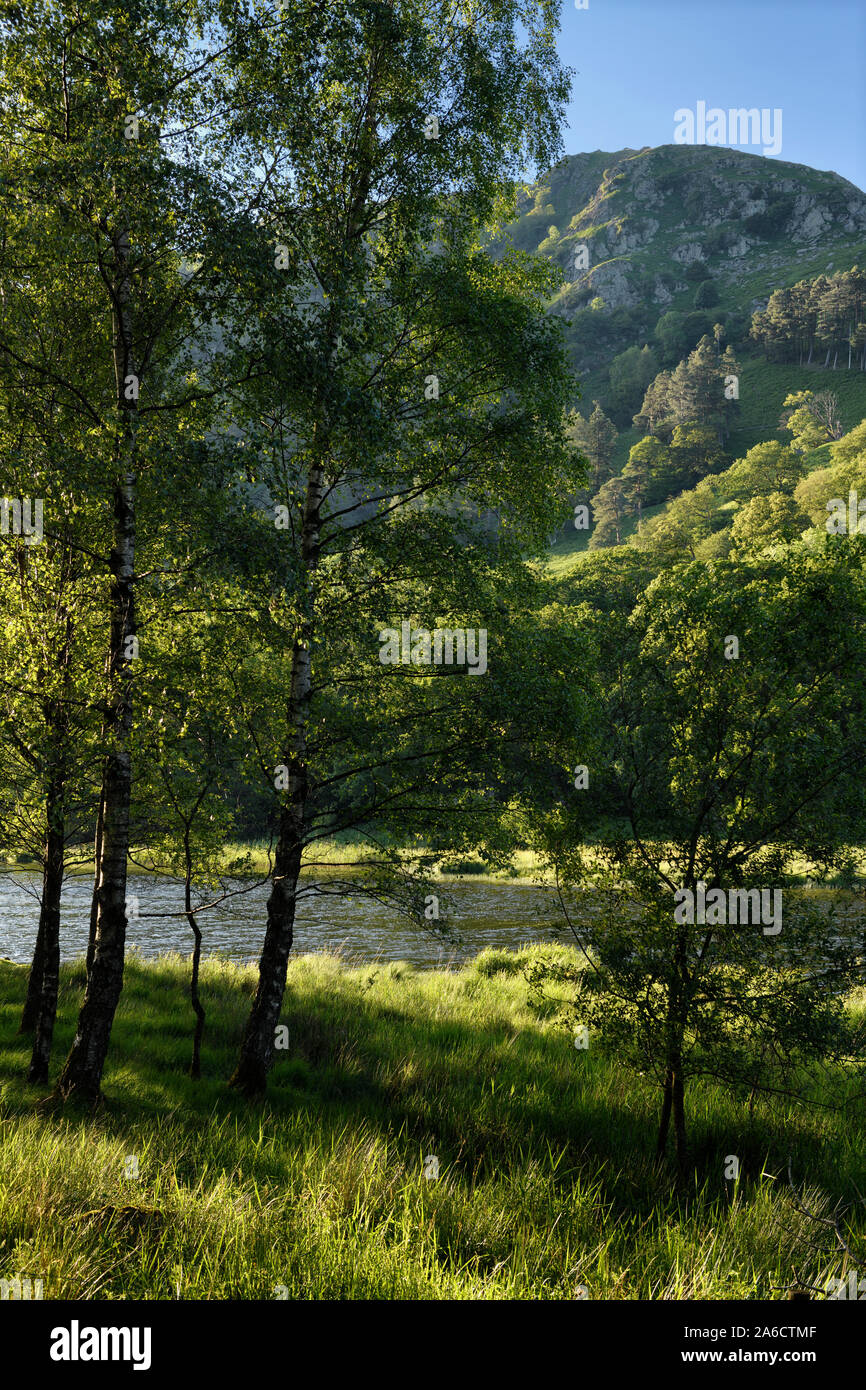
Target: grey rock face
{"type": "Point", "coordinates": [646, 215]}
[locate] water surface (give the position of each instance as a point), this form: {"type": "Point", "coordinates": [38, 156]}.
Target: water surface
{"type": "Point", "coordinates": [485, 913]}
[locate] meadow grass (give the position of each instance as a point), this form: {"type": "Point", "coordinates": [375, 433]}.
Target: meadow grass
{"type": "Point", "coordinates": [546, 1177]}
{"type": "Point", "coordinates": [330, 858]}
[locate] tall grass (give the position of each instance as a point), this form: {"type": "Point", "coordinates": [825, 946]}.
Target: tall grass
{"type": "Point", "coordinates": [546, 1182]}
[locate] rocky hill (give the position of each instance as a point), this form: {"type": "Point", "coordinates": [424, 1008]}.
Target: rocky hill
{"type": "Point", "coordinates": [645, 217]}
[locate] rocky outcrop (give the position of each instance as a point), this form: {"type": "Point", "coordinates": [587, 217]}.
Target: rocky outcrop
{"type": "Point", "coordinates": [646, 215]}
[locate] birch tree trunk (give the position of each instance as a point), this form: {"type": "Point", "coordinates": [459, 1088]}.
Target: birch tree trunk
{"type": "Point", "coordinates": [198, 1007]}
{"type": "Point", "coordinates": [97, 861]}
{"type": "Point", "coordinates": [82, 1073]}
{"type": "Point", "coordinates": [257, 1047]}
{"type": "Point", "coordinates": [665, 1118]}
{"type": "Point", "coordinates": [49, 927]}
{"type": "Point", "coordinates": [56, 713]}
{"type": "Point", "coordinates": [30, 1012]}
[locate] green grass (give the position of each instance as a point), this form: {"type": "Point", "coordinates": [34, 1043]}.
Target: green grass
{"type": "Point", "coordinates": [764, 386]}
{"type": "Point", "coordinates": [327, 859]}
{"type": "Point", "coordinates": [546, 1178]}
{"type": "Point", "coordinates": [561, 557]}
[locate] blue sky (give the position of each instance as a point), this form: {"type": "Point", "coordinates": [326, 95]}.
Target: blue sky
{"type": "Point", "coordinates": [638, 61]}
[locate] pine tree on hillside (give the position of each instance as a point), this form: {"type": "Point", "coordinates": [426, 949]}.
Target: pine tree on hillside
{"type": "Point", "coordinates": [827, 314]}
{"type": "Point", "coordinates": [595, 438]}
{"type": "Point", "coordinates": [655, 412]}
{"type": "Point", "coordinates": [635, 479]}
{"type": "Point", "coordinates": [693, 393]}
{"type": "Point", "coordinates": [609, 509]}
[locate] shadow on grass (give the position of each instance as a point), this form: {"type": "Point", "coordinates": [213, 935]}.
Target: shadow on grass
{"type": "Point", "coordinates": [452, 1064]}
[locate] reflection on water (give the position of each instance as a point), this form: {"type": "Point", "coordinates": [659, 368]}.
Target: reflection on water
{"type": "Point", "coordinates": [502, 914]}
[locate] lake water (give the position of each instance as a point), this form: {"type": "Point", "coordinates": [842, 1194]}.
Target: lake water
{"type": "Point", "coordinates": [485, 913]}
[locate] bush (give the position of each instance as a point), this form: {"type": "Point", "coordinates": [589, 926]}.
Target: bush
{"type": "Point", "coordinates": [497, 961]}
{"type": "Point", "coordinates": [771, 222]}
{"type": "Point", "coordinates": [463, 866]}
{"type": "Point", "coordinates": [706, 294]}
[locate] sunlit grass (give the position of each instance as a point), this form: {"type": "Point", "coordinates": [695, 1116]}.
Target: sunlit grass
{"type": "Point", "coordinates": [546, 1180]}
{"type": "Point", "coordinates": [333, 857]}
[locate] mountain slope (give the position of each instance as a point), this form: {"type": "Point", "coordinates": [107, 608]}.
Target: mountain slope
{"type": "Point", "coordinates": [646, 215]}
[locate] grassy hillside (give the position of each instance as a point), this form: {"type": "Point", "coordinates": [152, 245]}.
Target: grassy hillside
{"type": "Point", "coordinates": [563, 552]}
{"type": "Point", "coordinates": [648, 217]}
{"type": "Point", "coordinates": [764, 385]}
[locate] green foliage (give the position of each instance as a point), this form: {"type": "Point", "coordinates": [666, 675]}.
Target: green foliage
{"type": "Point", "coordinates": [370, 429]}
{"type": "Point", "coordinates": [715, 770]}
{"type": "Point", "coordinates": [678, 333]}
{"type": "Point", "coordinates": [846, 471]}
{"type": "Point", "coordinates": [595, 437]}
{"type": "Point", "coordinates": [771, 221]}
{"type": "Point", "coordinates": [764, 521]}
{"type": "Point", "coordinates": [685, 524]}
{"type": "Point", "coordinates": [768, 467]}
{"type": "Point", "coordinates": [827, 314]}
{"type": "Point", "coordinates": [630, 374]}
{"type": "Point", "coordinates": [608, 509]}
{"type": "Point", "coordinates": [706, 295]}
{"type": "Point", "coordinates": [693, 393]}
{"type": "Point", "coordinates": [697, 271]}
{"type": "Point", "coordinates": [812, 420]}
